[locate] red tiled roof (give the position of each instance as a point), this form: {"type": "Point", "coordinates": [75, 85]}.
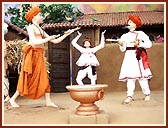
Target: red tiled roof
{"type": "Point", "coordinates": [103, 20]}
{"type": "Point", "coordinates": [110, 19]}
{"type": "Point", "coordinates": [21, 31]}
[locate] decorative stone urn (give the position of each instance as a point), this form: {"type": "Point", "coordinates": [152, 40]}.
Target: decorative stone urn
{"type": "Point", "coordinates": [87, 95]}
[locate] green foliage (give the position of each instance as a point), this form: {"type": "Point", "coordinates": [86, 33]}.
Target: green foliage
{"type": "Point", "coordinates": [53, 13]}
{"type": "Point", "coordinates": [18, 16]}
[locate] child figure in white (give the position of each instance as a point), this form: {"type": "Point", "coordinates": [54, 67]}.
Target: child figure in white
{"type": "Point", "coordinates": [87, 62]}
{"type": "Point", "coordinates": [135, 64]}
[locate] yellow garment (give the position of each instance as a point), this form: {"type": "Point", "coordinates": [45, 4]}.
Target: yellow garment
{"type": "Point", "coordinates": [33, 80]}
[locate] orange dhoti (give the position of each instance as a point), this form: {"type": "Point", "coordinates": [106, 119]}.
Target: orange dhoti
{"type": "Point", "coordinates": [33, 80]}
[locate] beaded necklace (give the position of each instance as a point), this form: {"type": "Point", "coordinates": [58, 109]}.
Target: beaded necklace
{"type": "Point", "coordinates": [42, 35]}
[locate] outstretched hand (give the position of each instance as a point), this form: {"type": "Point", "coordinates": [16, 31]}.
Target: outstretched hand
{"type": "Point", "coordinates": [79, 33]}
{"type": "Point", "coordinates": [71, 31]}
{"type": "Point", "coordinates": [77, 28]}
{"type": "Point", "coordinates": [52, 37]}
{"type": "Point", "coordinates": [119, 41]}
{"type": "Point", "coordinates": [103, 32]}
{"type": "Point", "coordinates": [56, 36]}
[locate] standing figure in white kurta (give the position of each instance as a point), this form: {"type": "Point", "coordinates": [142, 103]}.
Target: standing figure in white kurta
{"type": "Point", "coordinates": [87, 62]}
{"type": "Point", "coordinates": [135, 64]}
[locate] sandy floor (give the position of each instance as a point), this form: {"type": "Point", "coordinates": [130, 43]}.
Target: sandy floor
{"type": "Point", "coordinates": [137, 113]}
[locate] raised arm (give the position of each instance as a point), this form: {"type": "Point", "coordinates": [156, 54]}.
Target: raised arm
{"type": "Point", "coordinates": [102, 42]}
{"type": "Point", "coordinates": [74, 43]}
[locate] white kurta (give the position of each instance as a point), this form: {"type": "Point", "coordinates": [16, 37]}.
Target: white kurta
{"type": "Point", "coordinates": [88, 54]}
{"type": "Point", "coordinates": [132, 68]}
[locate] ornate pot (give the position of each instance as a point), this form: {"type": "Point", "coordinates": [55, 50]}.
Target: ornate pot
{"type": "Point", "coordinates": [87, 95]}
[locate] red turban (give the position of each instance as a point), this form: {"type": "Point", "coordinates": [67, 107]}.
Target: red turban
{"type": "Point", "coordinates": [136, 20]}
{"type": "Point", "coordinates": [31, 13]}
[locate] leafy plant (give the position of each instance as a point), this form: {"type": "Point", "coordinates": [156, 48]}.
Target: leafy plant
{"type": "Point", "coordinates": [18, 16]}
{"type": "Point", "coordinates": [53, 13]}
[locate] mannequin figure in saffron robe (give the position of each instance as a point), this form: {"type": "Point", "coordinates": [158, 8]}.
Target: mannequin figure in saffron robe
{"type": "Point", "coordinates": [33, 80]}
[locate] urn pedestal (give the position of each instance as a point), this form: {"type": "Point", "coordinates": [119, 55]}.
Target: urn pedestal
{"type": "Point", "coordinates": [87, 95]}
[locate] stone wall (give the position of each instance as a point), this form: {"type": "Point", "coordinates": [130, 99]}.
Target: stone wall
{"type": "Point", "coordinates": [110, 58]}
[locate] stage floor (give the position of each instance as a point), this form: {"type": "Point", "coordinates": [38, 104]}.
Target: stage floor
{"type": "Point", "coordinates": [136, 113]}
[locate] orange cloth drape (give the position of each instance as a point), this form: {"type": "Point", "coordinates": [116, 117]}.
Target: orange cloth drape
{"type": "Point", "coordinates": [33, 80]}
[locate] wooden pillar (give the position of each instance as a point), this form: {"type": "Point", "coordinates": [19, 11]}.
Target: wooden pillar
{"type": "Point", "coordinates": [97, 36]}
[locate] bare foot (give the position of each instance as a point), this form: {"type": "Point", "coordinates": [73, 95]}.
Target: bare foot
{"type": "Point", "coordinates": [51, 104]}
{"type": "Point", "coordinates": [13, 103]}
{"type": "Point", "coordinates": [7, 98]}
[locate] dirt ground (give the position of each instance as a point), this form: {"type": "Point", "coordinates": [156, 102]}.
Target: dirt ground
{"type": "Point", "coordinates": [137, 113]}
